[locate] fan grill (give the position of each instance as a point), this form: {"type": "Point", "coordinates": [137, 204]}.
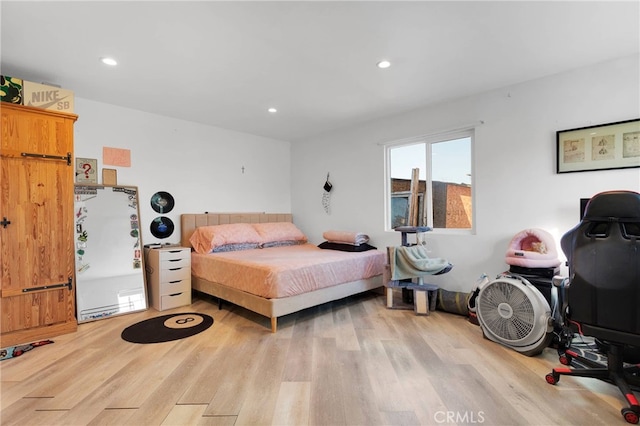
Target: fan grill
{"type": "Point", "coordinates": [506, 311]}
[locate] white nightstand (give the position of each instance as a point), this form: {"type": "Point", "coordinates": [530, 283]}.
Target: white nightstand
{"type": "Point", "coordinates": [169, 276]}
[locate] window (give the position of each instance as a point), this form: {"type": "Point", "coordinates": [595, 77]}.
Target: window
{"type": "Point", "coordinates": [438, 171]}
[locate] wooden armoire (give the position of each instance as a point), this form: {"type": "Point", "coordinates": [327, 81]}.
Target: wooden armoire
{"type": "Point", "coordinates": [36, 229]}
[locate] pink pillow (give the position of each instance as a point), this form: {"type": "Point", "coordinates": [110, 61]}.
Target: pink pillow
{"type": "Point", "coordinates": [207, 238]}
{"type": "Point", "coordinates": [279, 231]}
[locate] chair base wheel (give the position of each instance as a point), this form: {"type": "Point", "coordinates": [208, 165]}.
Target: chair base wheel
{"type": "Point", "coordinates": [565, 359]}
{"type": "Point", "coordinates": [630, 415]}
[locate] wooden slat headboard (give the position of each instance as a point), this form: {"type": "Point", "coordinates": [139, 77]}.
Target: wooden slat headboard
{"type": "Point", "coordinates": [190, 221]}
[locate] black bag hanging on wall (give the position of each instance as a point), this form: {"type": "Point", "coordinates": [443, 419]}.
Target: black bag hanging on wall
{"type": "Point", "coordinates": [325, 196]}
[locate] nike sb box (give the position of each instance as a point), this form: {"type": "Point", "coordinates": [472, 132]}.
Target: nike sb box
{"type": "Point", "coordinates": [47, 97]}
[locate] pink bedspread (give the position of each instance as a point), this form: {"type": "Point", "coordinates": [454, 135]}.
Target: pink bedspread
{"type": "Point", "coordinates": [286, 271]}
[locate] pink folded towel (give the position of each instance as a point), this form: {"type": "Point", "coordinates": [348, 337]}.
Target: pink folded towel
{"type": "Point", "coordinates": [345, 237]}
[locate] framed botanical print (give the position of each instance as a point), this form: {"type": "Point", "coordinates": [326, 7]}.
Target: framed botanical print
{"type": "Point", "coordinates": [602, 147]}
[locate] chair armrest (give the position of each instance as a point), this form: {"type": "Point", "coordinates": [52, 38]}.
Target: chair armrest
{"type": "Point", "coordinates": [560, 281]}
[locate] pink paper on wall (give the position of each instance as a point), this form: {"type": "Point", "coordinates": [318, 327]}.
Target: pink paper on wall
{"type": "Point", "coordinates": [116, 157]}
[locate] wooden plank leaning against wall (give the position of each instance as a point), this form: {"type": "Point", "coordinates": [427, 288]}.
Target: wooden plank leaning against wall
{"type": "Point", "coordinates": [37, 296]}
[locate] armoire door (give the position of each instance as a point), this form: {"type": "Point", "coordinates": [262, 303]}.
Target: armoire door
{"type": "Point", "coordinates": [36, 228]}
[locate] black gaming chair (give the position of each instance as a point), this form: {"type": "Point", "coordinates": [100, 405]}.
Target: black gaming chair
{"type": "Point", "coordinates": [603, 293]}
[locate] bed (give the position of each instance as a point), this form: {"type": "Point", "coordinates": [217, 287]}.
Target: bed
{"type": "Point", "coordinates": [273, 279]}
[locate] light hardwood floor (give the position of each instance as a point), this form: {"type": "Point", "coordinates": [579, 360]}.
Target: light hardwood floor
{"type": "Point", "coordinates": [351, 362]}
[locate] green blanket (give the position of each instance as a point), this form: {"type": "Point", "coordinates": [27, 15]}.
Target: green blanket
{"type": "Point", "coordinates": [413, 261]}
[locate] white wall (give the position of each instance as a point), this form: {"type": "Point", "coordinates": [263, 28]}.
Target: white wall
{"type": "Point", "coordinates": [516, 186]}
{"type": "Point", "coordinates": [200, 166]}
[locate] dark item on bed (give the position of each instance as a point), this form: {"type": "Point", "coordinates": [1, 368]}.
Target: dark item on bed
{"type": "Point", "coordinates": [346, 247]}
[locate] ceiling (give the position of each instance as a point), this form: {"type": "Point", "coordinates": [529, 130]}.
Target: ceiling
{"type": "Point", "coordinates": [225, 63]}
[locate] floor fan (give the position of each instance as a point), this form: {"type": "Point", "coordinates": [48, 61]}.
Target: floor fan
{"type": "Point", "coordinates": [511, 311]}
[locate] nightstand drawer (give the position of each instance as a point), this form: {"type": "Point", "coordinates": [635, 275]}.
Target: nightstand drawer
{"type": "Point", "coordinates": [176, 254]}
{"type": "Point", "coordinates": [175, 263]}
{"type": "Point", "coordinates": [175, 300]}
{"type": "Point", "coordinates": [167, 275]}
{"type": "Point", "coordinates": [172, 287]}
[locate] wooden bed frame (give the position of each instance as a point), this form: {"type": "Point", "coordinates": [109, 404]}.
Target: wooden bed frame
{"type": "Point", "coordinates": [271, 308]}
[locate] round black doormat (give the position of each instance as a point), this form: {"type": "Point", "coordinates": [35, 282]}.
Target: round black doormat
{"type": "Point", "coordinates": [167, 327]}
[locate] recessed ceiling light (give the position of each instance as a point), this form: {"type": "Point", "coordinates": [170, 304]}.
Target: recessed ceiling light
{"type": "Point", "coordinates": [272, 110]}
{"type": "Point", "coordinates": [109, 61]}
{"type": "Point", "coordinates": [384, 64]}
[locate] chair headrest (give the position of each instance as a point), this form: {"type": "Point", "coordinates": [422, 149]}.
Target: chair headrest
{"type": "Point", "coordinates": [613, 205]}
